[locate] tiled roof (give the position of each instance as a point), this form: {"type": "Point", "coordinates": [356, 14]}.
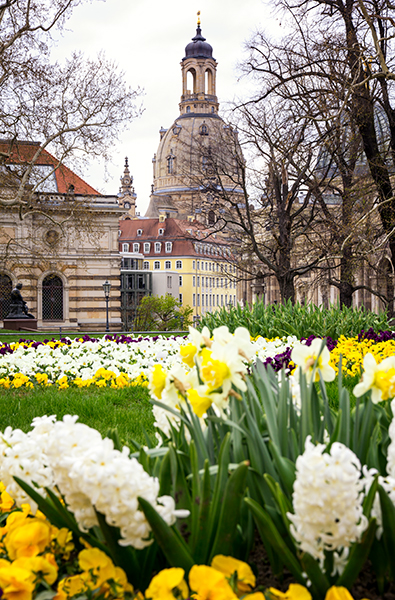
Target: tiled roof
{"type": "Point", "coordinates": [182, 233]}
{"type": "Point", "coordinates": [23, 152]}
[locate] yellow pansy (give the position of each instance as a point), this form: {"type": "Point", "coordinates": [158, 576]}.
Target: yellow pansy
{"type": "Point", "coordinates": [30, 539]}
{"type": "Point", "coordinates": [338, 593]}
{"type": "Point", "coordinates": [6, 502]}
{"type": "Point", "coordinates": [70, 586]}
{"type": "Point", "coordinates": [294, 592]}
{"type": "Point", "coordinates": [16, 583]}
{"type": "Point", "coordinates": [97, 564]}
{"type": "Point", "coordinates": [39, 566]}
{"type": "Point", "coordinates": [187, 354]}
{"type": "Point", "coordinates": [209, 584]}
{"type": "Point", "coordinates": [228, 565]}
{"type": "Point", "coordinates": [163, 584]}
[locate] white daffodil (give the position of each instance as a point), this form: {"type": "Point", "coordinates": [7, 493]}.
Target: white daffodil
{"type": "Point", "coordinates": [377, 377]}
{"type": "Point", "coordinates": [313, 361]}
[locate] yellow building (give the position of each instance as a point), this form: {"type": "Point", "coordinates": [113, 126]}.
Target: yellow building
{"type": "Point", "coordinates": [173, 256]}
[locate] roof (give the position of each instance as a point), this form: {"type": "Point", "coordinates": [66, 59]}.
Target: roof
{"type": "Point", "coordinates": [22, 153]}
{"type": "Point", "coordinates": [183, 233]}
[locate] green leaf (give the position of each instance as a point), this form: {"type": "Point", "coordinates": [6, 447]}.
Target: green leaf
{"type": "Point", "coordinates": [319, 581]}
{"type": "Point", "coordinates": [124, 557]}
{"type": "Point", "coordinates": [173, 547]}
{"type": "Point", "coordinates": [269, 532]}
{"type": "Point", "coordinates": [388, 517]}
{"type": "Point", "coordinates": [285, 468]}
{"type": "Point", "coordinates": [200, 540]}
{"type": "Point", "coordinates": [358, 556]}
{"type": "Point", "coordinates": [230, 512]}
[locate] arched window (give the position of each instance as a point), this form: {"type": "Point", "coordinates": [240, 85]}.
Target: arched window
{"type": "Point", "coordinates": [191, 81]}
{"type": "Point", "coordinates": [188, 109]}
{"type": "Point", "coordinates": [208, 82]}
{"type": "Point", "coordinates": [203, 129]}
{"type": "Point", "coordinates": [5, 295]}
{"type": "Point", "coordinates": [170, 164]}
{"type": "Point", "coordinates": [52, 298]}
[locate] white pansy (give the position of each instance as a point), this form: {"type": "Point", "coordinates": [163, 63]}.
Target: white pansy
{"type": "Point", "coordinates": [327, 499]}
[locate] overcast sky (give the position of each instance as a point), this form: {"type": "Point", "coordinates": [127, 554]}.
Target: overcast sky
{"type": "Point", "coordinates": [147, 38]}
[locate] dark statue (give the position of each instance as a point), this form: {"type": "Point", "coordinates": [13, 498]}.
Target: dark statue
{"type": "Point", "coordinates": [18, 307]}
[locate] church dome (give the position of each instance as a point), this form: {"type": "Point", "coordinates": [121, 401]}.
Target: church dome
{"type": "Point", "coordinates": [198, 48]}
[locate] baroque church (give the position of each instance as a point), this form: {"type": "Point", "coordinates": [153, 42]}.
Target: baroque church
{"type": "Point", "coordinates": [177, 248]}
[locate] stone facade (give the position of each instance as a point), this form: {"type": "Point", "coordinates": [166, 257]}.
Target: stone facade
{"type": "Point", "coordinates": [184, 178]}
{"type": "Point", "coordinates": [62, 251]}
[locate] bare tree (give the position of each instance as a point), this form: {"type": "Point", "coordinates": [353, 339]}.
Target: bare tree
{"type": "Point", "coordinates": [75, 110]}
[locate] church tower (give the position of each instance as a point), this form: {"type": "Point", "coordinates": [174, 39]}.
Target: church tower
{"type": "Point", "coordinates": [182, 176]}
{"type": "Point", "coordinates": [127, 196]}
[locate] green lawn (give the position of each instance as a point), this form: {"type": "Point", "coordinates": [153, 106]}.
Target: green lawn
{"type": "Point", "coordinates": [127, 409]}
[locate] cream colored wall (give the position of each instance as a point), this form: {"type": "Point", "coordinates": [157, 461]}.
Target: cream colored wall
{"type": "Point", "coordinates": [83, 259]}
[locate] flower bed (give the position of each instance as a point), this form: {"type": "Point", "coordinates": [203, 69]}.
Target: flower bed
{"type": "Point", "coordinates": [239, 452]}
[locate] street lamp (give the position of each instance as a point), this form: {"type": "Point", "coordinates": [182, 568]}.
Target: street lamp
{"type": "Point", "coordinates": [107, 288]}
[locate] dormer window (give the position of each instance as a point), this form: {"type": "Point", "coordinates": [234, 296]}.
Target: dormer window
{"type": "Point", "coordinates": [125, 247]}
{"type": "Point", "coordinates": [136, 247]}
{"type": "Point", "coordinates": [146, 247]}
{"type": "Point", "coordinates": [139, 232]}
{"type": "Point", "coordinates": [168, 246]}
{"type": "Point", "coordinates": [161, 231]}
{"type": "Point", "coordinates": [157, 247]}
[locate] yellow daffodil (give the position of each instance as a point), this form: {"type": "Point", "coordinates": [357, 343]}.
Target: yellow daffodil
{"type": "Point", "coordinates": [380, 378]}
{"type": "Point", "coordinates": [165, 583]}
{"type": "Point", "coordinates": [187, 354]}
{"type": "Point", "coordinates": [313, 361]}
{"type": "Point", "coordinates": [294, 592]}
{"type": "Point", "coordinates": [200, 404]}
{"type": "Point", "coordinates": [157, 381]}
{"type": "Point", "coordinates": [213, 372]}
{"type": "Point", "coordinates": [209, 584]}
{"type": "Point", "coordinates": [229, 565]}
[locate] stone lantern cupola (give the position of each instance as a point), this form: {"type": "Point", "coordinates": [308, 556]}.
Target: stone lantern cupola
{"type": "Point", "coordinates": [198, 69]}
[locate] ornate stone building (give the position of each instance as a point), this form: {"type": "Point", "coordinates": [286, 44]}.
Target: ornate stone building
{"type": "Point", "coordinates": [63, 249]}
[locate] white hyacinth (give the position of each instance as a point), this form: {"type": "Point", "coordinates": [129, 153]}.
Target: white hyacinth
{"type": "Point", "coordinates": [327, 499]}
{"type": "Point", "coordinates": [88, 472]}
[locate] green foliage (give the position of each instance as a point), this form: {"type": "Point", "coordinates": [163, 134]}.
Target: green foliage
{"type": "Point", "coordinates": [268, 431]}
{"type": "Point", "coordinates": [278, 320]}
{"type": "Point", "coordinates": [162, 313]}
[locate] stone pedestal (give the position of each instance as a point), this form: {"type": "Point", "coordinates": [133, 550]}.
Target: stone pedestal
{"type": "Point", "coordinates": [20, 324]}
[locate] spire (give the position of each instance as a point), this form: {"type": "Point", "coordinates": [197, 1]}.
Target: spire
{"type": "Point", "coordinates": [198, 16]}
